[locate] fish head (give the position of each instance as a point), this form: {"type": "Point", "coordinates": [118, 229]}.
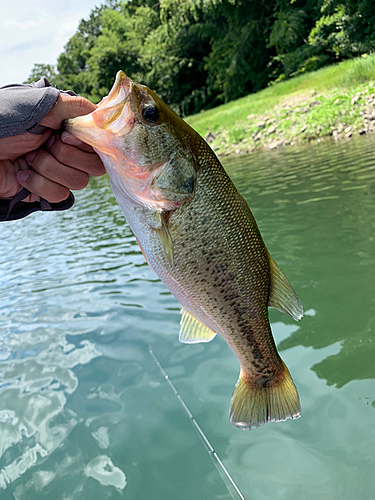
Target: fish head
{"type": "Point", "coordinates": [144, 145]}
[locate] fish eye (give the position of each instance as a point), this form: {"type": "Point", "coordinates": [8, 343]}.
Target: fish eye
{"type": "Point", "coordinates": [150, 114]}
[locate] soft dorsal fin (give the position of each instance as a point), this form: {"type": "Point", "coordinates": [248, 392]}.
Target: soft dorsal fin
{"type": "Point", "coordinates": [282, 296]}
{"type": "Point", "coordinates": [193, 331]}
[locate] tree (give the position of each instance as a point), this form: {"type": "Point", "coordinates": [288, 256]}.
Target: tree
{"type": "Point", "coordinates": [120, 44]}
{"type": "Point", "coordinates": [345, 28]}
{"type": "Point", "coordinates": [43, 70]}
{"type": "Point", "coordinates": [199, 53]}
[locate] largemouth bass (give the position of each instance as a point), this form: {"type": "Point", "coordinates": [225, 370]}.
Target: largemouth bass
{"type": "Point", "coordinates": [199, 236]}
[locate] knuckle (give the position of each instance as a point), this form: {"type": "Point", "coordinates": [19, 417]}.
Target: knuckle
{"type": "Point", "coordinates": [59, 150]}
{"type": "Point", "coordinates": [82, 105]}
{"type": "Point", "coordinates": [43, 162]}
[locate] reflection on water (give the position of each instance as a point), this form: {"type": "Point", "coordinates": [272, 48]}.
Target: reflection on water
{"type": "Point", "coordinates": [84, 411]}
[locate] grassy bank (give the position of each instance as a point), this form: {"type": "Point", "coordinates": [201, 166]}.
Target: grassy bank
{"type": "Point", "coordinates": [334, 102]}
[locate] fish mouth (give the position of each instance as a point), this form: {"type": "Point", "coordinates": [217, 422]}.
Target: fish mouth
{"type": "Point", "coordinates": [119, 91]}
{"type": "Point", "coordinates": [111, 117]}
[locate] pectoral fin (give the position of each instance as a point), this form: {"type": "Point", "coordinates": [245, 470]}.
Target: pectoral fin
{"type": "Point", "coordinates": [193, 331]}
{"type": "Point", "coordinates": [282, 296]}
{"type": "Point", "coordinates": [166, 241]}
{"type": "Point", "coordinates": [156, 222]}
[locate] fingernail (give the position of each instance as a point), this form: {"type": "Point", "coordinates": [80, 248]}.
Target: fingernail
{"type": "Point", "coordinates": [23, 175]}
{"type": "Point", "coordinates": [70, 139]}
{"type": "Point", "coordinates": [30, 156]}
{"type": "Point", "coordinates": [50, 141]}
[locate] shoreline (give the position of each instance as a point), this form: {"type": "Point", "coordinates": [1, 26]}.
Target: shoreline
{"type": "Point", "coordinates": [301, 119]}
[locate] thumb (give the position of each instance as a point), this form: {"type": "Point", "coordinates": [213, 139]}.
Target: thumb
{"type": "Point", "coordinates": [65, 107]}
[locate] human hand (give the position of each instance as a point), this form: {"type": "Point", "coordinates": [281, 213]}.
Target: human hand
{"type": "Point", "coordinates": [60, 162]}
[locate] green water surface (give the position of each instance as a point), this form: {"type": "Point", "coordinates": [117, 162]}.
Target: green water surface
{"type": "Point", "coordinates": [85, 413]}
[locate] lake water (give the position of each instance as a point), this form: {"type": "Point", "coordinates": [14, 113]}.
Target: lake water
{"type": "Point", "coordinates": [85, 413]}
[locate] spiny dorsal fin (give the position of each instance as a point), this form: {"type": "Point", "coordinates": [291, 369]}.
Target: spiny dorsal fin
{"type": "Point", "coordinates": [282, 296]}
{"type": "Point", "coordinates": [193, 331]}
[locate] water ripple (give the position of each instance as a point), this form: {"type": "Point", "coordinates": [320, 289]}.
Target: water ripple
{"type": "Point", "coordinates": [84, 412]}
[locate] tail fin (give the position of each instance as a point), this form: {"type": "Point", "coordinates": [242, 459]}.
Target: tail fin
{"type": "Point", "coordinates": [252, 406]}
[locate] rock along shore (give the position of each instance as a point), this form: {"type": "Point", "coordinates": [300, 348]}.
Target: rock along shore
{"type": "Point", "coordinates": [301, 119]}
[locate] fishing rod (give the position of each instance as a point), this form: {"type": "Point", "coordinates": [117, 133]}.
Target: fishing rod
{"type": "Point", "coordinates": [232, 488]}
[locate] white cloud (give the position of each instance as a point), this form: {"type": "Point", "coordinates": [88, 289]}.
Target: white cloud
{"type": "Point", "coordinates": [43, 18]}
{"type": "Point", "coordinates": [36, 32]}
{"type": "Point", "coordinates": [22, 26]}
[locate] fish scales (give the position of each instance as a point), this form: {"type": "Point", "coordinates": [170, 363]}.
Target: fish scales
{"type": "Point", "coordinates": [199, 236]}
{"type": "Point", "coordinates": [214, 251]}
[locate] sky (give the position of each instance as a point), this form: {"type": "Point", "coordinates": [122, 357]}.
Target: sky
{"type": "Point", "coordinates": [36, 32]}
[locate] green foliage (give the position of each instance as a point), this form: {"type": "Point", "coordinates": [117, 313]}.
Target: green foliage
{"type": "Point", "coordinates": [333, 100]}
{"type": "Point", "coordinates": [345, 29]}
{"type": "Point", "coordinates": [197, 54]}
{"type": "Point", "coordinates": [72, 64]}
{"type": "Point", "coordinates": [287, 30]}
{"type": "Point", "coordinates": [43, 70]}
{"type": "Point", "coordinates": [293, 23]}
{"type": "Point", "coordinates": [119, 45]}
{"type": "Point", "coordinates": [337, 79]}
{"type": "Point", "coordinates": [173, 61]}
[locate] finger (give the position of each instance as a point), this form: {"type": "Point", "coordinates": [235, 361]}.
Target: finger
{"type": "Point", "coordinates": [40, 186]}
{"type": "Point", "coordinates": [9, 186]}
{"type": "Point", "coordinates": [68, 138]}
{"type": "Point", "coordinates": [50, 168]}
{"type": "Point", "coordinates": [17, 145]}
{"type": "Point", "coordinates": [88, 162]}
{"type": "Point", "coordinates": [65, 107]}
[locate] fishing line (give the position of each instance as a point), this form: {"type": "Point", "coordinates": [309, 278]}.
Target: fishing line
{"type": "Point", "coordinates": [224, 474]}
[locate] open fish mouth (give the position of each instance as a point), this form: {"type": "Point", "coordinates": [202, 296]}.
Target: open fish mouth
{"type": "Point", "coordinates": [111, 117]}
{"type": "Point", "coordinates": [120, 90]}
{"type": "Point", "coordinates": [111, 107]}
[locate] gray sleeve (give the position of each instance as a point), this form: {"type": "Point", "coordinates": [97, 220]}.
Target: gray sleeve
{"type": "Point", "coordinates": [23, 106]}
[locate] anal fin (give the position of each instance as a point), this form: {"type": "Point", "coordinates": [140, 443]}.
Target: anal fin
{"type": "Point", "coordinates": [282, 296]}
{"type": "Point", "coordinates": [193, 331]}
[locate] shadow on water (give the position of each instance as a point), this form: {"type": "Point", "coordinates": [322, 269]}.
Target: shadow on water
{"type": "Point", "coordinates": [316, 211]}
